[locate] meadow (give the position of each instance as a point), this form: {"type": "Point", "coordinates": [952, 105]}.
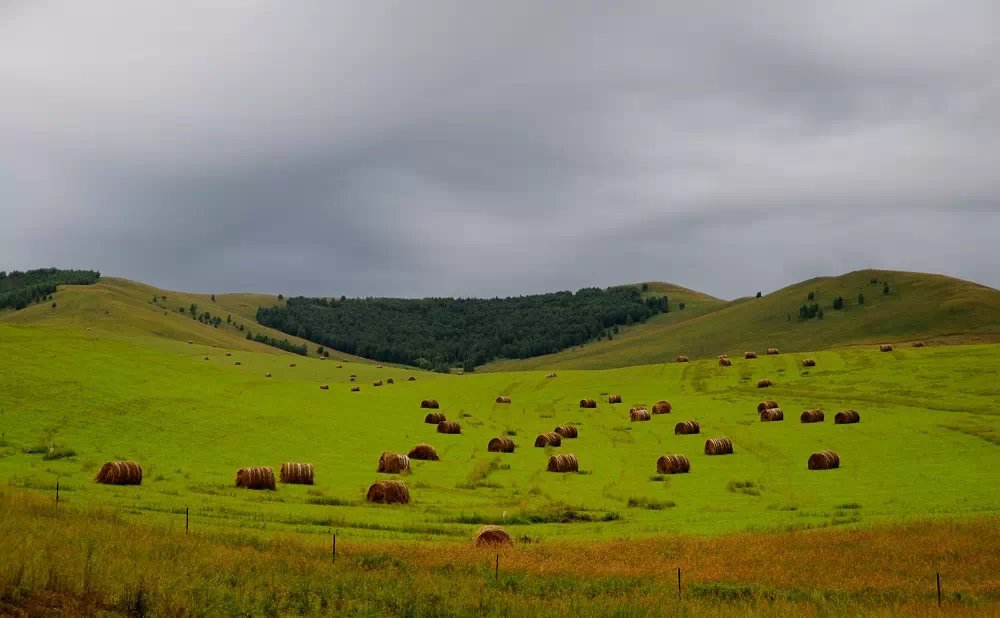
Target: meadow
{"type": "Point", "coordinates": [926, 446]}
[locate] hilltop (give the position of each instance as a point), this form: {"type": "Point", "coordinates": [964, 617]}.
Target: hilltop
{"type": "Point", "coordinates": [917, 305]}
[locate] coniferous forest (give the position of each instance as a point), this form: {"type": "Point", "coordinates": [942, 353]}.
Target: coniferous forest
{"type": "Point", "coordinates": [18, 289]}
{"type": "Point", "coordinates": [437, 333]}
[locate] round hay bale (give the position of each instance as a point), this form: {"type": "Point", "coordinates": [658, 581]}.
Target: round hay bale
{"type": "Point", "coordinates": [764, 383]}
{"type": "Point", "coordinates": [411, 379]}
{"type": "Point", "coordinates": [120, 473]}
{"type": "Point", "coordinates": [551, 374]}
{"type": "Point", "coordinates": [812, 416]}
{"type": "Point", "coordinates": [393, 463]}
{"type": "Point", "coordinates": [390, 381]}
{"type": "Point", "coordinates": [564, 462]}
{"type": "Point", "coordinates": [766, 405]}
{"type": "Point", "coordinates": [548, 439]}
{"type": "Point", "coordinates": [673, 464]}
{"type": "Point", "coordinates": [918, 344]}
{"type": "Point", "coordinates": [588, 403]}
{"type": "Point", "coordinates": [616, 398]}
{"type": "Point", "coordinates": [725, 362]}
{"type": "Point", "coordinates": [206, 358]}
{"type": "Point", "coordinates": [354, 375]}
{"type": "Point", "coordinates": [296, 473]}
{"type": "Point", "coordinates": [433, 418]}
{"type": "Point", "coordinates": [389, 492]}
{"type": "Point", "coordinates": [639, 414]}
{"type": "Point", "coordinates": [229, 353]}
{"type": "Point", "coordinates": [493, 537]}
{"type": "Point", "coordinates": [255, 478]}
{"type": "Point", "coordinates": [324, 387]}
{"type": "Point", "coordinates": [718, 446]}
{"type": "Point", "coordinates": [749, 355]}
{"type": "Point", "coordinates": [687, 428]}
{"type": "Point", "coordinates": [429, 403]}
{"type": "Point", "coordinates": [291, 364]}
{"type": "Point", "coordinates": [808, 362]}
{"type": "Point", "coordinates": [847, 417]}
{"type": "Point", "coordinates": [378, 366]}
{"type": "Point", "coordinates": [353, 379]}
{"type": "Point", "coordinates": [340, 366]}
{"type": "Point", "coordinates": [267, 375]}
{"type": "Point", "coordinates": [501, 444]}
{"type": "Point", "coordinates": [449, 427]}
{"type": "Point", "coordinates": [423, 452]}
{"type": "Point", "coordinates": [377, 383]}
{"type": "Point", "coordinates": [824, 460]}
{"type": "Point", "coordinates": [503, 399]}
{"type": "Point", "coordinates": [568, 432]}
{"type": "Point", "coordinates": [662, 407]}
{"type": "Point", "coordinates": [355, 389]}
{"type": "Point", "coordinates": [238, 363]}
{"type": "Point", "coordinates": [885, 347]}
{"type": "Point", "coordinates": [773, 351]}
{"type": "Point", "coordinates": [772, 414]}
{"type": "Point", "coordinates": [681, 359]}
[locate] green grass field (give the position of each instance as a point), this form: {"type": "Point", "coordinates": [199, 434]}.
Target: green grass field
{"type": "Point", "coordinates": [927, 445]}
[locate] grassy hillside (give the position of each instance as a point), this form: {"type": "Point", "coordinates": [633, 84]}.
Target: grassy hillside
{"type": "Point", "coordinates": [923, 306]}
{"type": "Point", "coordinates": [126, 308]}
{"type": "Point", "coordinates": [192, 422]}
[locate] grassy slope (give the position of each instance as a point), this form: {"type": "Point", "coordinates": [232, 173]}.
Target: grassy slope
{"type": "Point", "coordinates": [932, 307]}
{"type": "Point", "coordinates": [192, 422]}
{"type": "Point", "coordinates": [125, 307]}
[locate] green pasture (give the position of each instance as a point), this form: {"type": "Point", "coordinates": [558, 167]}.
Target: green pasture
{"type": "Point", "coordinates": [927, 444]}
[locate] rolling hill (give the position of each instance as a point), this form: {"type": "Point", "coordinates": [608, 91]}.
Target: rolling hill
{"type": "Point", "coordinates": [918, 306]}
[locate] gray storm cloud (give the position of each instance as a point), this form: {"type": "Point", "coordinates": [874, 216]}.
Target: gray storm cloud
{"type": "Point", "coordinates": [443, 148]}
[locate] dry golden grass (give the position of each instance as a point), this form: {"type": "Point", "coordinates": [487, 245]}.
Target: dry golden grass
{"type": "Point", "coordinates": [85, 562]}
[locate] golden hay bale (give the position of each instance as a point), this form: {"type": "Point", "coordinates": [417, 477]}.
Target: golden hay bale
{"type": "Point", "coordinates": [565, 462]}
{"type": "Point", "coordinates": [885, 347]}
{"type": "Point", "coordinates": [749, 355]}
{"type": "Point", "coordinates": [773, 351]}
{"type": "Point", "coordinates": [353, 379]}
{"type": "Point", "coordinates": [229, 353]}
{"type": "Point", "coordinates": [492, 536]}
{"type": "Point", "coordinates": [824, 460]}
{"type": "Point", "coordinates": [812, 416]}
{"type": "Point", "coordinates": [662, 407]}
{"type": "Point", "coordinates": [687, 428]}
{"type": "Point", "coordinates": [568, 432]}
{"type": "Point", "coordinates": [588, 403]}
{"type": "Point", "coordinates": [772, 414]}
{"type": "Point", "coordinates": [423, 452]}
{"type": "Point", "coordinates": [411, 379]}
{"type": "Point", "coordinates": [639, 414]}
{"type": "Point", "coordinates": [377, 383]}
{"type": "Point", "coordinates": [502, 444]}
{"type": "Point", "coordinates": [681, 359]}
{"type": "Point", "coordinates": [324, 387]}
{"type": "Point", "coordinates": [255, 478]}
{"type": "Point", "coordinates": [291, 364]}
{"type": "Point", "coordinates": [238, 363]}
{"type": "Point", "coordinates": [355, 389]}
{"type": "Point", "coordinates": [354, 375]}
{"type": "Point", "coordinates": [766, 405]}
{"type": "Point", "coordinates": [808, 362]}
{"type": "Point", "coordinates": [393, 463]}
{"type": "Point", "coordinates": [390, 381]}
{"type": "Point", "coordinates": [120, 473]}
{"type": "Point", "coordinates": [551, 374]}
{"type": "Point", "coordinates": [267, 375]}
{"type": "Point", "coordinates": [718, 446]}
{"type": "Point", "coordinates": [433, 418]}
{"type": "Point", "coordinates": [847, 417]}
{"type": "Point", "coordinates": [389, 492]}
{"type": "Point", "coordinates": [340, 366]}
{"type": "Point", "coordinates": [764, 383]}
{"type": "Point", "coordinates": [918, 344]}
{"type": "Point", "coordinates": [673, 464]}
{"type": "Point", "coordinates": [616, 398]}
{"type": "Point", "coordinates": [548, 439]}
{"type": "Point", "coordinates": [378, 366]}
{"type": "Point", "coordinates": [725, 362]}
{"type": "Point", "coordinates": [206, 358]}
{"type": "Point", "coordinates": [296, 473]}
{"type": "Point", "coordinates": [503, 399]}
{"type": "Point", "coordinates": [449, 427]}
{"type": "Point", "coordinates": [429, 403]}
{"type": "Point", "coordinates": [322, 358]}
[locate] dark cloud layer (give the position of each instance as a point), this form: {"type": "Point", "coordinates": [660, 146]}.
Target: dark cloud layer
{"type": "Point", "coordinates": [457, 148]}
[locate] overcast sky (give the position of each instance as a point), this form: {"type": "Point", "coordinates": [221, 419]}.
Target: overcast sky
{"type": "Point", "coordinates": [479, 149]}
